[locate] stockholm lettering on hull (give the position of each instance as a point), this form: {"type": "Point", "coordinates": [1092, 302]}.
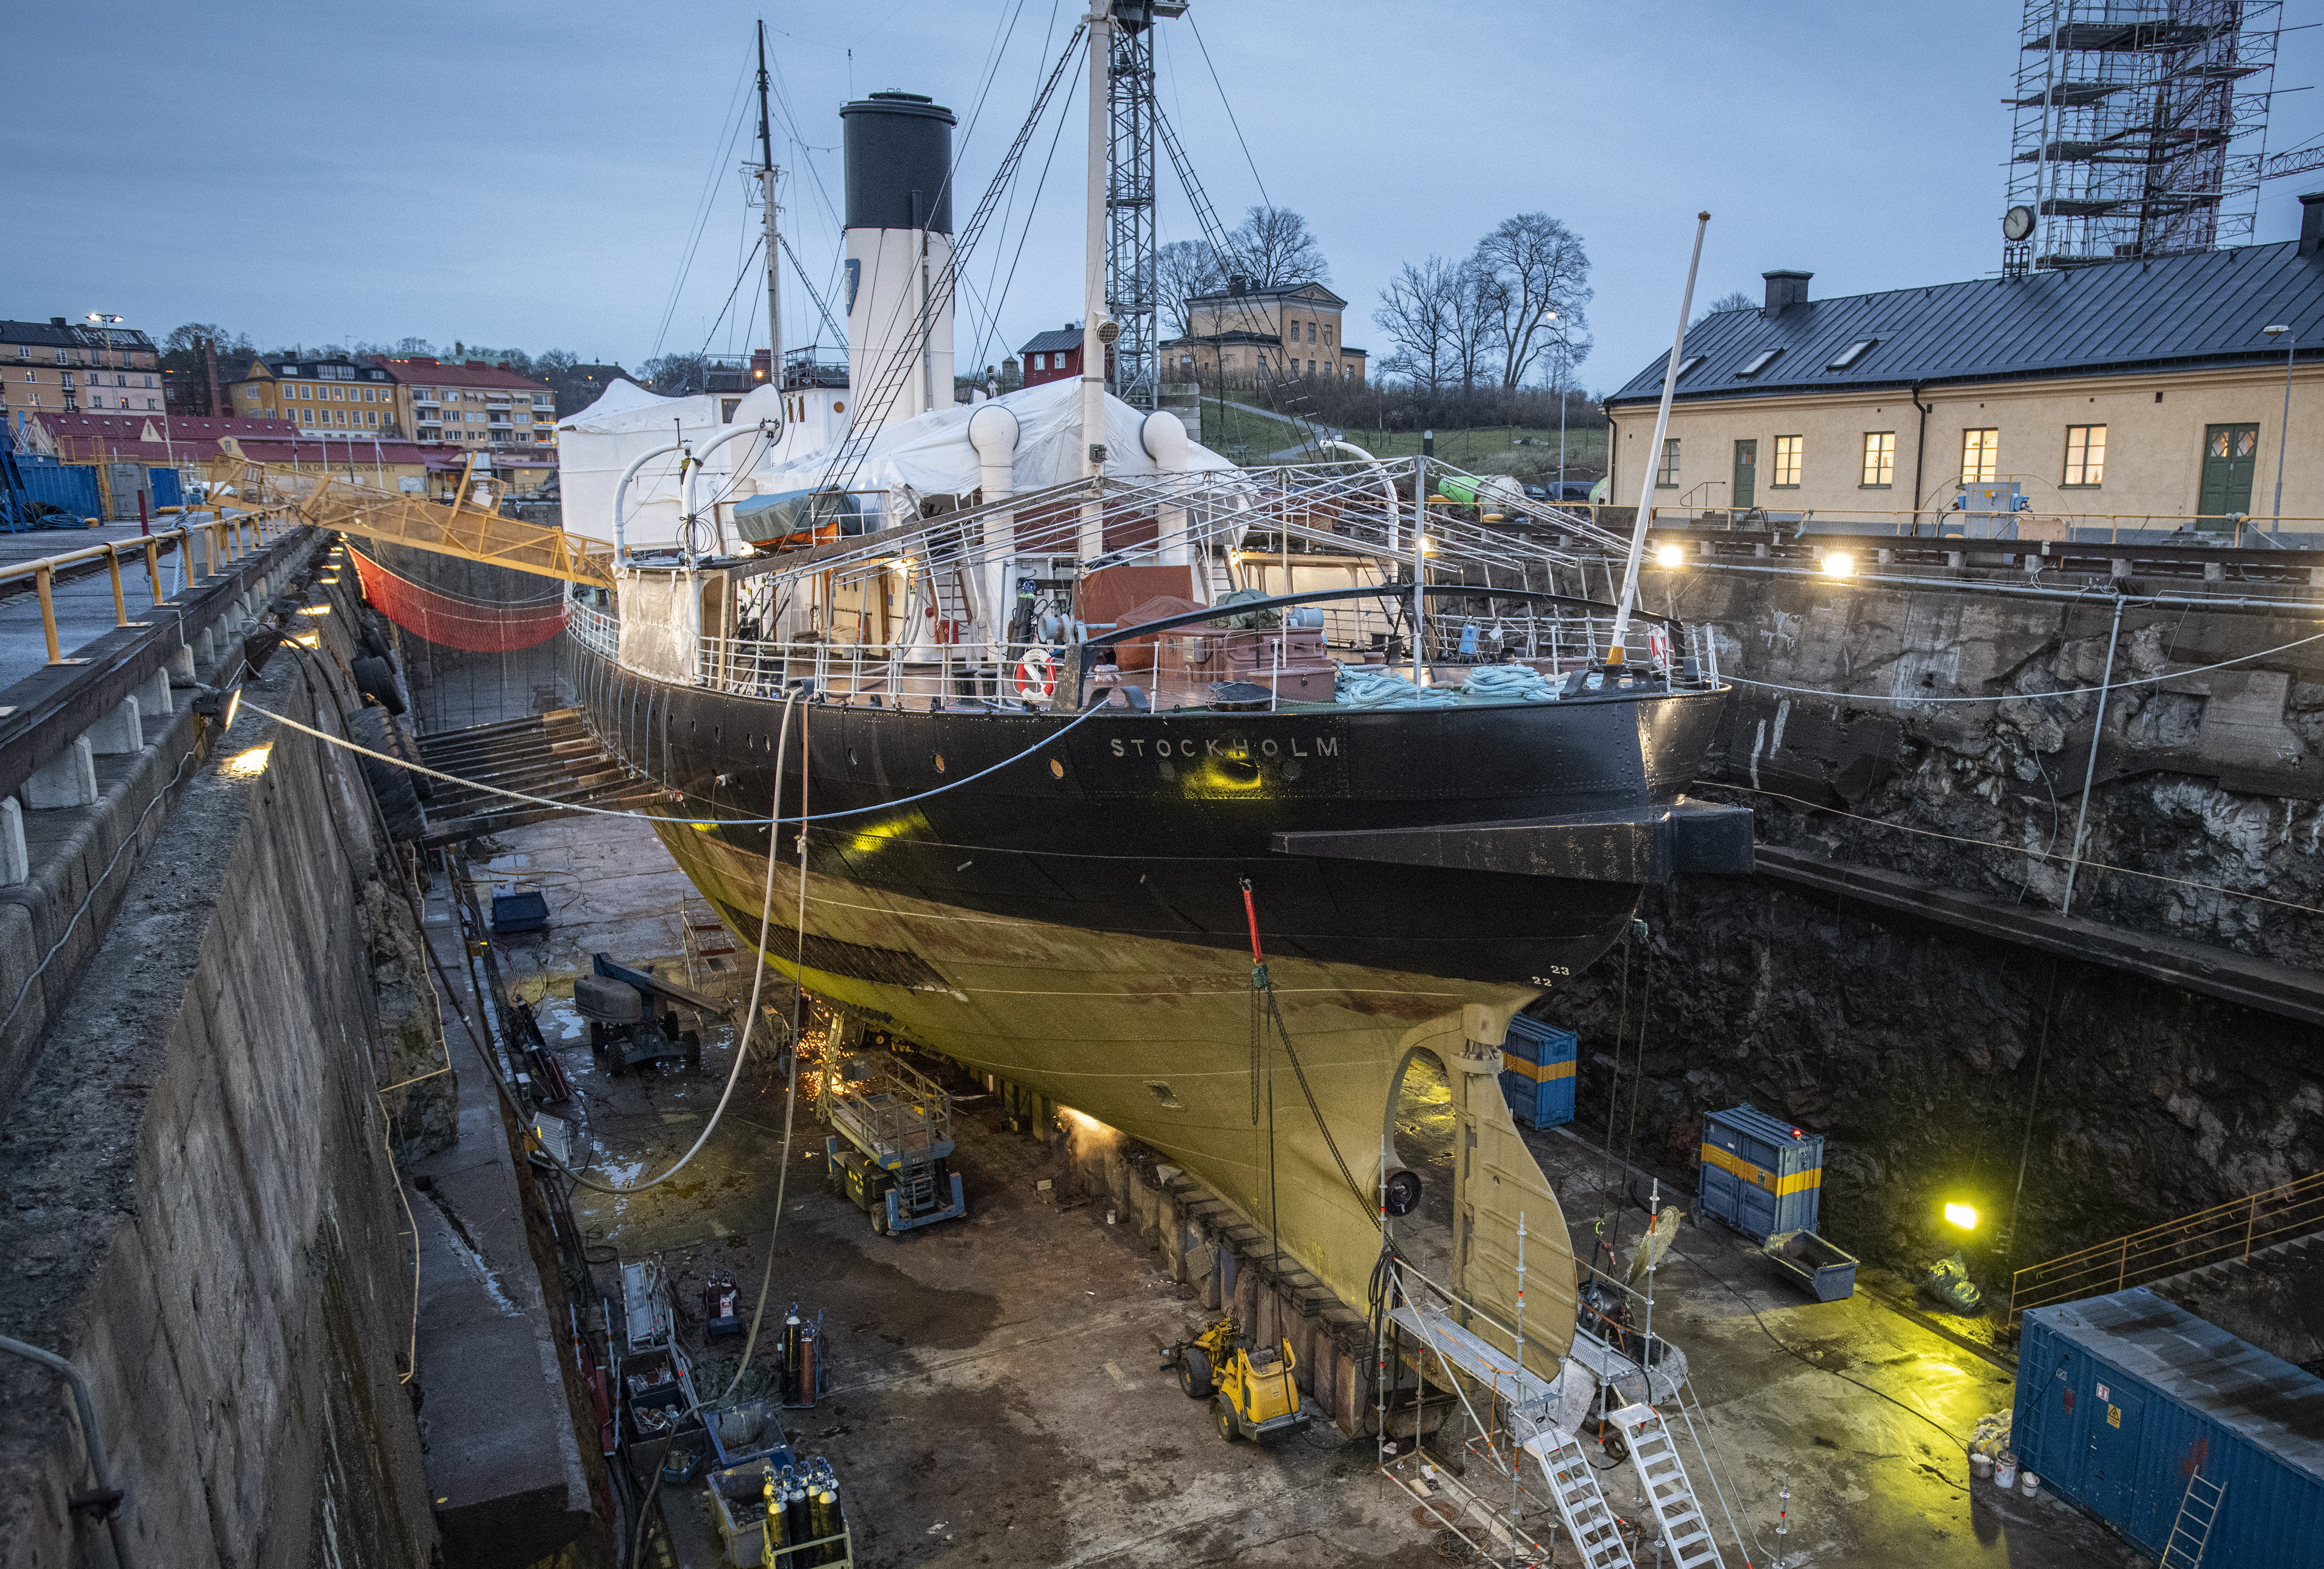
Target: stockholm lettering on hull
{"type": "Point", "coordinates": [1232, 751]}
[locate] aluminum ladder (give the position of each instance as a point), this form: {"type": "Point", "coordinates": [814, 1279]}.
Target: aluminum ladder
{"type": "Point", "coordinates": [1573, 1483]}
{"type": "Point", "coordinates": [1668, 1491]}
{"type": "Point", "coordinates": [2191, 1532]}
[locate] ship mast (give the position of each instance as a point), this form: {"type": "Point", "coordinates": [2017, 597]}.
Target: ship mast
{"type": "Point", "coordinates": [766, 173]}
{"type": "Point", "coordinates": [1093, 388]}
{"type": "Point", "coordinates": [1652, 460]}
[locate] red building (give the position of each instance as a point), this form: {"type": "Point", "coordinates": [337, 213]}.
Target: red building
{"type": "Point", "coordinates": [1051, 356]}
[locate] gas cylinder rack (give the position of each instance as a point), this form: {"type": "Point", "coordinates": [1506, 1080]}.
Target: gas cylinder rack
{"type": "Point", "coordinates": [890, 1149]}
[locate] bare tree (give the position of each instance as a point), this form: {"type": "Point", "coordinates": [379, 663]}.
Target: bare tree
{"type": "Point", "coordinates": [1417, 312]}
{"type": "Point", "coordinates": [676, 375]}
{"type": "Point", "coordinates": [1533, 267]}
{"type": "Point", "coordinates": [1183, 269]}
{"type": "Point", "coordinates": [1273, 245]}
{"type": "Point", "coordinates": [1733, 299]}
{"type": "Point", "coordinates": [1479, 306]}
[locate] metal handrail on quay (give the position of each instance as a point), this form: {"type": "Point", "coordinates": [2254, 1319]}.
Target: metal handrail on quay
{"type": "Point", "coordinates": [226, 541]}
{"type": "Point", "coordinates": [2222, 1233]}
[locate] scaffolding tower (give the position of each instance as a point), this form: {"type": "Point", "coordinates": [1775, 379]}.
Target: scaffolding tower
{"type": "Point", "coordinates": [2140, 128]}
{"type": "Point", "coordinates": [1130, 287]}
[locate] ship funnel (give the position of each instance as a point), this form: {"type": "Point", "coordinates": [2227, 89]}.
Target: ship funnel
{"type": "Point", "coordinates": [899, 249]}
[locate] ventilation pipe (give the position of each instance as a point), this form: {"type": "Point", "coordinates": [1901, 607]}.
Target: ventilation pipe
{"type": "Point", "coordinates": [992, 431]}
{"type": "Point", "coordinates": [1163, 435]}
{"type": "Point", "coordinates": [621, 496]}
{"type": "Point", "coordinates": [770, 429]}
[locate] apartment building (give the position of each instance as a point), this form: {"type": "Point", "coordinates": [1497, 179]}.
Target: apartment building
{"type": "Point", "coordinates": [336, 396]}
{"type": "Point", "coordinates": [62, 367]}
{"type": "Point", "coordinates": [473, 404]}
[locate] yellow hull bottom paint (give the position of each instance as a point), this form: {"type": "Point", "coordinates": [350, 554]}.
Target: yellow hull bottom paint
{"type": "Point", "coordinates": [1153, 1037]}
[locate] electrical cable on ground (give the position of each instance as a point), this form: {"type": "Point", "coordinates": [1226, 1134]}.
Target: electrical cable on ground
{"type": "Point", "coordinates": [799, 995]}
{"type": "Point", "coordinates": [1054, 736]}
{"type": "Point", "coordinates": [2016, 849]}
{"type": "Point", "coordinates": [742, 1045]}
{"type": "Point", "coordinates": [2028, 697]}
{"type": "Point", "coordinates": [1835, 1372]}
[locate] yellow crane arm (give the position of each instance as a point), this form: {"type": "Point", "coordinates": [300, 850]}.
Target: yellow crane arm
{"type": "Point", "coordinates": [456, 527]}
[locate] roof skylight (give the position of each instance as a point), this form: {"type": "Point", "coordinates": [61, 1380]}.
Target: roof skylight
{"type": "Point", "coordinates": [1852, 354]}
{"type": "Point", "coordinates": [1760, 362]}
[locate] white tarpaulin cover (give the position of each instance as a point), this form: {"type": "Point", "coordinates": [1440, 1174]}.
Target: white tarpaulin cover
{"type": "Point", "coordinates": [596, 445]}
{"type": "Point", "coordinates": [930, 456]}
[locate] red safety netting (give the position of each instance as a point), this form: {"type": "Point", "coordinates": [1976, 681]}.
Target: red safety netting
{"type": "Point", "coordinates": [459, 624]}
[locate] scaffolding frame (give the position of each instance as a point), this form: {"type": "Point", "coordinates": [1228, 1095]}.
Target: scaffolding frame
{"type": "Point", "coordinates": [1132, 291]}
{"type": "Point", "coordinates": [2139, 127]}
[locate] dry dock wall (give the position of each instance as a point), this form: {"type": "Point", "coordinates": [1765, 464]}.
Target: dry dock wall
{"type": "Point", "coordinates": [196, 1198]}
{"type": "Point", "coordinates": [1933, 1055]}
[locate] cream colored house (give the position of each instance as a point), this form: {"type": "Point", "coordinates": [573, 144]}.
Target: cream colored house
{"type": "Point", "coordinates": [1294, 330]}
{"type": "Point", "coordinates": [2141, 394]}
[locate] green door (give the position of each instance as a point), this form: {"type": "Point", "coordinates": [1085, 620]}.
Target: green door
{"type": "Point", "coordinates": [1746, 489]}
{"type": "Point", "coordinates": [2229, 454]}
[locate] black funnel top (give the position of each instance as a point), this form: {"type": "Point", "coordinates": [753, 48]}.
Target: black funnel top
{"type": "Point", "coordinates": [899, 162]}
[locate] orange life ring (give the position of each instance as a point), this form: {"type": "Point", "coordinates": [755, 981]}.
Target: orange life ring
{"type": "Point", "coordinates": [1035, 676]}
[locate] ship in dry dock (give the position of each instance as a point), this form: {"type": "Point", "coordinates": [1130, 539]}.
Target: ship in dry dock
{"type": "Point", "coordinates": [1046, 802]}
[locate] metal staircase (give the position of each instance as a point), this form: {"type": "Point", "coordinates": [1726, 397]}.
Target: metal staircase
{"type": "Point", "coordinates": [1655, 1456]}
{"type": "Point", "coordinates": [2191, 1532]}
{"type": "Point", "coordinates": [1573, 1483]}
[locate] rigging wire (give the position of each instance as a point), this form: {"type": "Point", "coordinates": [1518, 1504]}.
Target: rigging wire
{"type": "Point", "coordinates": [2019, 849]}
{"type": "Point", "coordinates": [1257, 177]}
{"type": "Point", "coordinates": [1086, 716]}
{"type": "Point", "coordinates": [703, 205]}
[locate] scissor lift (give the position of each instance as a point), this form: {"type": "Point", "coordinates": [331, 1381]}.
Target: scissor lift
{"type": "Point", "coordinates": [891, 1143]}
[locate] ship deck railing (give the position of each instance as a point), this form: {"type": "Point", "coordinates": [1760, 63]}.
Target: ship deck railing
{"type": "Point", "coordinates": [1253, 517]}
{"type": "Point", "coordinates": [1177, 668]}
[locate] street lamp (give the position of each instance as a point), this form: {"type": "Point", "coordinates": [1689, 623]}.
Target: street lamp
{"type": "Point", "coordinates": [2284, 431]}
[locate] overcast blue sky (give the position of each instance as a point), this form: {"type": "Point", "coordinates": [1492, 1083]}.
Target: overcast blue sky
{"type": "Point", "coordinates": [510, 174]}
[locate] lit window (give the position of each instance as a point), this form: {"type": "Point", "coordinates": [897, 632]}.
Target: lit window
{"type": "Point", "coordinates": [1787, 461]}
{"type": "Point", "coordinates": [1852, 354]}
{"type": "Point", "coordinates": [1666, 476]}
{"type": "Point", "coordinates": [1980, 452]}
{"type": "Point", "coordinates": [1760, 362]}
{"type": "Point", "coordinates": [1879, 457]}
{"type": "Point", "coordinates": [2084, 455]}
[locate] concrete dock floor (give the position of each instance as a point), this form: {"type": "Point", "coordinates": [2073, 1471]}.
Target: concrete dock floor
{"type": "Point", "coordinates": [993, 1393]}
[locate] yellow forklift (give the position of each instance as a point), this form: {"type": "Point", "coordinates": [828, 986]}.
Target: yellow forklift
{"type": "Point", "coordinates": [1253, 1390]}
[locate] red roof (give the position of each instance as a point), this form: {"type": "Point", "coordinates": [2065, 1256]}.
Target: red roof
{"type": "Point", "coordinates": [431, 373]}
{"type": "Point", "coordinates": [181, 427]}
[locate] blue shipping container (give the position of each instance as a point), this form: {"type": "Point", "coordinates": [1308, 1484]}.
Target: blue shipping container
{"type": "Point", "coordinates": [168, 487]}
{"type": "Point", "coordinates": [1537, 1072]}
{"type": "Point", "coordinates": [2121, 1398]}
{"type": "Point", "coordinates": [1760, 1176]}
{"type": "Point", "coordinates": [69, 485]}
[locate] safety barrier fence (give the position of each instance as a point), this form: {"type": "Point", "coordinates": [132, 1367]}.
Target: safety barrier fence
{"type": "Point", "coordinates": [2224, 1232]}
{"type": "Point", "coordinates": [222, 542]}
{"type": "Point", "coordinates": [2027, 524]}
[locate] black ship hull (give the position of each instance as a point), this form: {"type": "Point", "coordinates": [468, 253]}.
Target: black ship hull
{"type": "Point", "coordinates": [1146, 823]}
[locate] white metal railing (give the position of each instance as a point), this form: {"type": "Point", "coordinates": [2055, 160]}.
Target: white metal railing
{"type": "Point", "coordinates": [1179, 667]}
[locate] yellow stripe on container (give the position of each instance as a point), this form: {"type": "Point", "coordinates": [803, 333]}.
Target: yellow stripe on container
{"type": "Point", "coordinates": [1538, 1072]}
{"type": "Point", "coordinates": [1759, 1175]}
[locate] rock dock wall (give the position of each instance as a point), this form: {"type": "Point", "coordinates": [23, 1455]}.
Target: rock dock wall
{"type": "Point", "coordinates": [197, 1196]}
